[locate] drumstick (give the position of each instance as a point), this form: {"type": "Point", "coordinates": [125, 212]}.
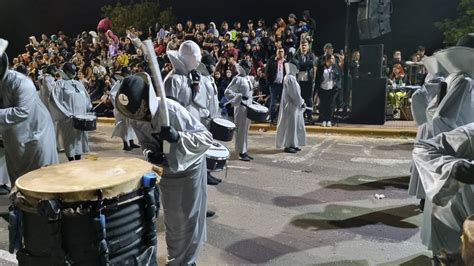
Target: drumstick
{"type": "Point", "coordinates": [148, 50]}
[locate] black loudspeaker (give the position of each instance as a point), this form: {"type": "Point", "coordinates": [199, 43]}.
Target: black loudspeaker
{"type": "Point", "coordinates": [373, 18]}
{"type": "Point", "coordinates": [369, 101]}
{"type": "Point", "coordinates": [371, 61]}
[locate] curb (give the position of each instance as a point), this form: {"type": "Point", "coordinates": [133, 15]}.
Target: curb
{"type": "Point", "coordinates": [355, 131]}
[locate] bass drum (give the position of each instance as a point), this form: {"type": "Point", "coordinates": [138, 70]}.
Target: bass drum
{"type": "Point", "coordinates": [216, 157]}
{"type": "Point", "coordinates": [86, 212]}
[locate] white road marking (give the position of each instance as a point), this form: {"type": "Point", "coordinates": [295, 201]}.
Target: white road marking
{"type": "Point", "coordinates": [385, 162]}
{"type": "Point", "coordinates": [348, 144]}
{"type": "Point", "coordinates": [238, 167]}
{"type": "Point", "coordinates": [299, 159]}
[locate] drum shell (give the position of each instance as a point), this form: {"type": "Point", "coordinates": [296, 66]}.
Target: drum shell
{"type": "Point", "coordinates": [215, 164]}
{"type": "Point", "coordinates": [84, 125]}
{"type": "Point", "coordinates": [256, 116]}
{"type": "Point", "coordinates": [220, 132]}
{"type": "Point", "coordinates": [125, 225]}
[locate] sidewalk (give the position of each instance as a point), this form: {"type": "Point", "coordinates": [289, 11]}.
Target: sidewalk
{"type": "Point", "coordinates": [395, 128]}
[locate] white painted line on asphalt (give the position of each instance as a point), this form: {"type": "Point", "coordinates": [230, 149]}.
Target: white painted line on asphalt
{"type": "Point", "coordinates": [385, 162]}
{"type": "Point", "coordinates": [348, 144]}
{"type": "Point", "coordinates": [295, 159]}
{"type": "Point", "coordinates": [238, 167]}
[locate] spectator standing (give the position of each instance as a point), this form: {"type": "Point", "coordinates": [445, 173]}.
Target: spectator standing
{"type": "Point", "coordinates": [306, 62]}
{"type": "Point", "coordinates": [275, 72]}
{"type": "Point", "coordinates": [327, 77]}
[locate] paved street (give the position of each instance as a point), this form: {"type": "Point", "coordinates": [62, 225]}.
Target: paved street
{"type": "Point", "coordinates": [315, 207]}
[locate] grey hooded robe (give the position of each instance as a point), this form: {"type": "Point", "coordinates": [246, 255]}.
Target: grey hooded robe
{"type": "Point", "coordinates": [290, 130]}
{"type": "Point", "coordinates": [26, 127]}
{"type": "Point", "coordinates": [238, 87]}
{"type": "Point", "coordinates": [452, 200]}
{"type": "Point", "coordinates": [184, 185]}
{"type": "Point", "coordinates": [69, 98]}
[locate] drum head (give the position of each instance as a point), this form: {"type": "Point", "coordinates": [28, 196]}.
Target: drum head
{"type": "Point", "coordinates": [218, 151]}
{"type": "Point", "coordinates": [82, 180]}
{"type": "Point", "coordinates": [258, 108]}
{"type": "Point", "coordinates": [224, 122]}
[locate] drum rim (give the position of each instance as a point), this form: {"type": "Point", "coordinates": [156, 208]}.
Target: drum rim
{"type": "Point", "coordinates": [217, 158]}
{"type": "Point", "coordinates": [85, 117]}
{"type": "Point", "coordinates": [259, 105]}
{"type": "Point", "coordinates": [223, 119]}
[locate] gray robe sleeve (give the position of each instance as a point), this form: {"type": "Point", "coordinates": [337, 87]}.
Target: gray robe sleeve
{"type": "Point", "coordinates": [419, 103]}
{"type": "Point", "coordinates": [293, 91]}
{"type": "Point", "coordinates": [435, 158]}
{"type": "Point", "coordinates": [58, 110]}
{"type": "Point", "coordinates": [23, 99]}
{"type": "Point", "coordinates": [194, 140]}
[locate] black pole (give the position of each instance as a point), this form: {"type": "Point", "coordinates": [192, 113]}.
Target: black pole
{"type": "Point", "coordinates": [345, 77]}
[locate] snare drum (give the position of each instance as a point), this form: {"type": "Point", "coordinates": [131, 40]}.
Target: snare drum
{"type": "Point", "coordinates": [85, 122]}
{"type": "Point", "coordinates": [216, 157]}
{"type": "Point", "coordinates": [222, 129]}
{"type": "Point", "coordinates": [257, 112]}
{"type": "Point", "coordinates": [86, 212]}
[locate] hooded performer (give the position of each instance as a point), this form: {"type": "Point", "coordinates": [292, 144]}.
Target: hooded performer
{"type": "Point", "coordinates": [186, 85]}
{"type": "Point", "coordinates": [291, 132]}
{"type": "Point", "coordinates": [446, 165]}
{"type": "Point", "coordinates": [183, 185]}
{"type": "Point", "coordinates": [25, 123]}
{"type": "Point", "coordinates": [451, 108]}
{"type": "Point", "coordinates": [239, 93]}
{"type": "Point", "coordinates": [122, 129]}
{"type": "Point", "coordinates": [69, 98]}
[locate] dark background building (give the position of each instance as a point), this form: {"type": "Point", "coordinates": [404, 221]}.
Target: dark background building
{"type": "Point", "coordinates": [412, 21]}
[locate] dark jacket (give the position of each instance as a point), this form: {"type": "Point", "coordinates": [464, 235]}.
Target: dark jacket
{"type": "Point", "coordinates": [271, 70]}
{"type": "Point", "coordinates": [336, 77]}
{"type": "Point", "coordinates": [308, 64]}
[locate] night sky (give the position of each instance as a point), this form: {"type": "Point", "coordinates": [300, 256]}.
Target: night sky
{"type": "Point", "coordinates": [412, 20]}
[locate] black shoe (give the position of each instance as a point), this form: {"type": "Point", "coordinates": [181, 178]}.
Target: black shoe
{"type": "Point", "coordinates": [422, 205]}
{"type": "Point", "coordinates": [5, 190]}
{"type": "Point", "coordinates": [126, 147]}
{"type": "Point", "coordinates": [250, 157]}
{"type": "Point", "coordinates": [133, 145]}
{"type": "Point", "coordinates": [210, 214]}
{"type": "Point", "coordinates": [289, 150]}
{"type": "Point", "coordinates": [296, 148]}
{"type": "Point", "coordinates": [244, 157]}
{"type": "Point", "coordinates": [211, 180]}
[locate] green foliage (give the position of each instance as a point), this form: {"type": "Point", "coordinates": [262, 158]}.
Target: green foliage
{"type": "Point", "coordinates": [454, 29]}
{"type": "Point", "coordinates": [139, 15]}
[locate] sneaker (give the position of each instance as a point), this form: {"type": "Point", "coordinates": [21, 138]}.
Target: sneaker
{"type": "Point", "coordinates": [210, 214]}
{"type": "Point", "coordinates": [323, 124]}
{"type": "Point", "coordinates": [329, 124]}
{"type": "Point", "coordinates": [289, 150]}
{"type": "Point", "coordinates": [250, 157]}
{"type": "Point", "coordinates": [296, 148]}
{"type": "Point", "coordinates": [244, 157]}
{"type": "Point", "coordinates": [211, 180]}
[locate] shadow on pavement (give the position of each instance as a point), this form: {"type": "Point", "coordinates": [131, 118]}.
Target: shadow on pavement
{"type": "Point", "coordinates": [360, 186]}
{"type": "Point", "coordinates": [420, 260]}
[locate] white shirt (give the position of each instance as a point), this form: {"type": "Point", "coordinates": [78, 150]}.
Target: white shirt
{"type": "Point", "coordinates": [328, 82]}
{"type": "Point", "coordinates": [279, 77]}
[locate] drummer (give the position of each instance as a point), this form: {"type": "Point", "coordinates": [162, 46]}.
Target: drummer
{"type": "Point", "coordinates": [69, 98]}
{"type": "Point", "coordinates": [122, 128]}
{"type": "Point", "coordinates": [240, 95]}
{"type": "Point", "coordinates": [188, 87]}
{"type": "Point", "coordinates": [183, 186]}
{"type": "Point", "coordinates": [291, 133]}
{"type": "Point", "coordinates": [25, 123]}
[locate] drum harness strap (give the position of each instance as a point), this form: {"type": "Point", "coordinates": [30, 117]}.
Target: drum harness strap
{"type": "Point", "coordinates": [15, 228]}
{"type": "Point", "coordinates": [50, 210]}
{"type": "Point", "coordinates": [100, 227]}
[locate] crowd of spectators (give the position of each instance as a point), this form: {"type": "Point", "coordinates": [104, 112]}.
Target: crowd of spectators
{"type": "Point", "coordinates": [101, 56]}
